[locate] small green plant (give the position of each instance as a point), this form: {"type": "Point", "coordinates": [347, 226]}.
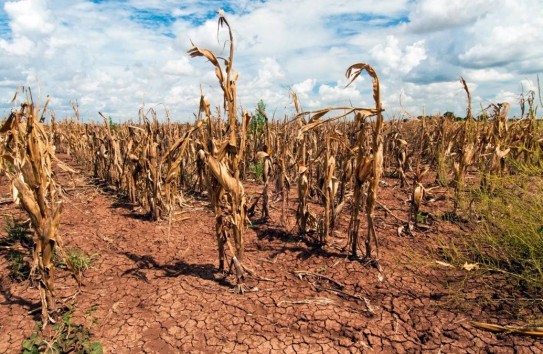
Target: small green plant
{"type": "Point", "coordinates": [32, 345]}
{"type": "Point", "coordinates": [79, 260]}
{"type": "Point", "coordinates": [257, 169]}
{"type": "Point", "coordinates": [422, 218]}
{"type": "Point", "coordinates": [112, 125]}
{"type": "Point", "coordinates": [19, 268]}
{"type": "Point", "coordinates": [17, 231]}
{"type": "Point", "coordinates": [65, 337]}
{"type": "Point", "coordinates": [17, 239]}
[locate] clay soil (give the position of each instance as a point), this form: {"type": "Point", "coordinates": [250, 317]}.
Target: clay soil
{"type": "Point", "coordinates": [154, 286]}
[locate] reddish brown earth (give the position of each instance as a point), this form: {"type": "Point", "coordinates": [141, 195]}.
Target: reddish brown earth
{"type": "Point", "coordinates": [156, 289]}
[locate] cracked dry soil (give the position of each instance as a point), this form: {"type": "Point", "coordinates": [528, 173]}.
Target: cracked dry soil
{"type": "Point", "coordinates": [156, 289]}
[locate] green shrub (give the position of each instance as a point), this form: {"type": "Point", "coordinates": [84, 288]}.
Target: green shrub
{"type": "Point", "coordinates": [66, 337]}
{"type": "Point", "coordinates": [508, 235]}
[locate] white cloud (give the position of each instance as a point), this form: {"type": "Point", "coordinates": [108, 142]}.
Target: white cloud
{"type": "Point", "coordinates": [179, 67]}
{"type": "Point", "coordinates": [340, 94]}
{"type": "Point", "coordinates": [506, 96]}
{"type": "Point", "coordinates": [395, 60]}
{"type": "Point", "coordinates": [440, 15]}
{"type": "Point", "coordinates": [269, 73]}
{"type": "Point", "coordinates": [304, 92]}
{"type": "Point", "coordinates": [303, 89]}
{"type": "Point", "coordinates": [508, 35]}
{"type": "Point", "coordinates": [486, 75]}
{"type": "Point", "coordinates": [417, 98]}
{"type": "Point", "coordinates": [528, 85]}
{"type": "Point", "coordinates": [29, 17]}
{"type": "Point", "coordinates": [112, 56]}
{"type": "Point", "coordinates": [18, 47]}
{"type": "Point", "coordinates": [180, 93]}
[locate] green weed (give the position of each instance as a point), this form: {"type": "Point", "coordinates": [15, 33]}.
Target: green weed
{"type": "Point", "coordinates": [508, 235]}
{"type": "Point", "coordinates": [17, 231]}
{"type": "Point", "coordinates": [19, 268]}
{"type": "Point", "coordinates": [66, 337]}
{"type": "Point", "coordinates": [79, 260]}
{"type": "Point", "coordinates": [17, 235]}
{"type": "Point", "coordinates": [256, 169]}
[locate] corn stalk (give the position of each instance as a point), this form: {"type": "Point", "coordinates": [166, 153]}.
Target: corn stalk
{"type": "Point", "coordinates": [223, 162]}
{"type": "Point", "coordinates": [28, 155]}
{"type": "Point", "coordinates": [467, 150]}
{"type": "Point", "coordinates": [369, 166]}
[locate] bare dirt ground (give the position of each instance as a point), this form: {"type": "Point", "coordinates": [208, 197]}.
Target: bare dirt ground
{"type": "Point", "coordinates": [156, 289]}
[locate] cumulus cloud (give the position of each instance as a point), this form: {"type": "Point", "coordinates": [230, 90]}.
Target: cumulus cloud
{"type": "Point", "coordinates": [30, 21]}
{"type": "Point", "coordinates": [269, 73]}
{"type": "Point", "coordinates": [441, 15]}
{"type": "Point", "coordinates": [506, 96]}
{"type": "Point", "coordinates": [179, 67]}
{"type": "Point", "coordinates": [395, 60]}
{"type": "Point", "coordinates": [305, 88]}
{"type": "Point", "coordinates": [418, 98]}
{"type": "Point", "coordinates": [505, 37]}
{"type": "Point", "coordinates": [114, 56]}
{"type": "Point", "coordinates": [486, 75]}
{"type": "Point", "coordinates": [29, 17]}
{"type": "Point", "coordinates": [337, 93]}
{"type": "Point", "coordinates": [528, 85]}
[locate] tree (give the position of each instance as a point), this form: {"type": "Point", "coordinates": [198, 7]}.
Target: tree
{"type": "Point", "coordinates": [258, 121]}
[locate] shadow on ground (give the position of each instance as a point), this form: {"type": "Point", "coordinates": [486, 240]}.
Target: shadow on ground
{"type": "Point", "coordinates": [203, 271]}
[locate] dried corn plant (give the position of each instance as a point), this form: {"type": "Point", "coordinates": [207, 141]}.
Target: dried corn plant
{"type": "Point", "coordinates": [223, 161]}
{"type": "Point", "coordinates": [302, 212]}
{"type": "Point", "coordinates": [309, 155]}
{"type": "Point", "coordinates": [329, 189]}
{"type": "Point", "coordinates": [28, 157]}
{"type": "Point", "coordinates": [283, 158]}
{"type": "Point", "coordinates": [346, 160]}
{"type": "Point", "coordinates": [399, 148]}
{"type": "Point", "coordinates": [494, 140]}
{"type": "Point", "coordinates": [418, 190]}
{"type": "Point", "coordinates": [151, 167]}
{"type": "Point", "coordinates": [265, 158]}
{"type": "Point", "coordinates": [326, 164]}
{"type": "Point", "coordinates": [466, 152]}
{"type": "Point", "coordinates": [369, 165]}
{"type": "Point", "coordinates": [444, 138]}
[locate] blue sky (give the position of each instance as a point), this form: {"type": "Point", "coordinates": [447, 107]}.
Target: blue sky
{"type": "Point", "coordinates": [115, 56]}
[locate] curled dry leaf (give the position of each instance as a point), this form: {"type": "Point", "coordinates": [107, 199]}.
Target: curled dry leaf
{"type": "Point", "coordinates": [418, 194]}
{"type": "Point", "coordinates": [470, 266]}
